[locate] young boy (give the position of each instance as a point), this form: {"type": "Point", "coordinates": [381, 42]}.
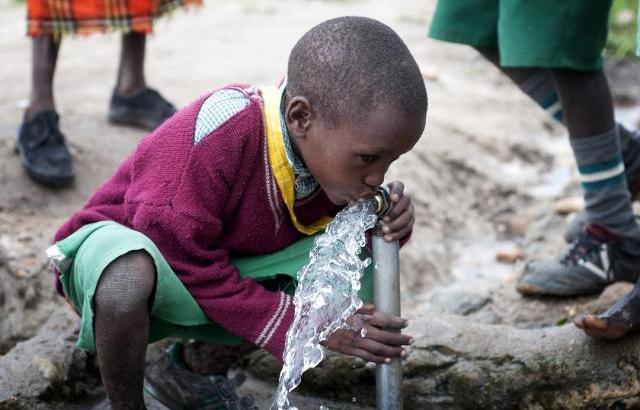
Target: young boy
{"type": "Point", "coordinates": [162, 248]}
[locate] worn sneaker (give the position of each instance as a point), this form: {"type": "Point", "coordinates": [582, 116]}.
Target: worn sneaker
{"type": "Point", "coordinates": [169, 381]}
{"type": "Point", "coordinates": [43, 151]}
{"type": "Point", "coordinates": [592, 261]}
{"type": "Point", "coordinates": [631, 156]}
{"type": "Point", "coordinates": [146, 109]}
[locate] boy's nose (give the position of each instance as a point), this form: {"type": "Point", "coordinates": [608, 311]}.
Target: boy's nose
{"type": "Point", "coordinates": [374, 180]}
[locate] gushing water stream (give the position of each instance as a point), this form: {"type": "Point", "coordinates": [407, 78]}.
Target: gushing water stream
{"type": "Point", "coordinates": [327, 294]}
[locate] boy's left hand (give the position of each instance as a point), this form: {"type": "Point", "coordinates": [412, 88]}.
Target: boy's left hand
{"type": "Point", "coordinates": [398, 223]}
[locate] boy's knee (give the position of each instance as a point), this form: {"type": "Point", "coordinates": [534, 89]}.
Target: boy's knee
{"type": "Point", "coordinates": [126, 285]}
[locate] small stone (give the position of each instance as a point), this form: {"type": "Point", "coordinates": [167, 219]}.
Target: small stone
{"type": "Point", "coordinates": [518, 225]}
{"type": "Point", "coordinates": [429, 73]}
{"type": "Point", "coordinates": [510, 255]}
{"type": "Point", "coordinates": [568, 205]}
{"type": "Point", "coordinates": [30, 262]}
{"type": "Point", "coordinates": [48, 368]}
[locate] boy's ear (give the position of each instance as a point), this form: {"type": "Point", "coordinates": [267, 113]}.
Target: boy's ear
{"type": "Point", "coordinates": [298, 116]}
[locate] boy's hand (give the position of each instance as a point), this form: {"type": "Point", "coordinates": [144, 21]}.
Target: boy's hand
{"type": "Point", "coordinates": [381, 342]}
{"type": "Point", "coordinates": [398, 223]}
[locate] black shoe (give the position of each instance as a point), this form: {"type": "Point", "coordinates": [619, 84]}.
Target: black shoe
{"type": "Point", "coordinates": [592, 261]}
{"type": "Point", "coordinates": [146, 109]}
{"type": "Point", "coordinates": [172, 384]}
{"type": "Point", "coordinates": [43, 151]}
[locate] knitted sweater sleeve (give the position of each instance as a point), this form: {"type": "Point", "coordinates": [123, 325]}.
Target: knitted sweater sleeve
{"type": "Point", "coordinates": [185, 213]}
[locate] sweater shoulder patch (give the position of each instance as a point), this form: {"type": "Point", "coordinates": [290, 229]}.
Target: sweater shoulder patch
{"type": "Point", "coordinates": [217, 109]}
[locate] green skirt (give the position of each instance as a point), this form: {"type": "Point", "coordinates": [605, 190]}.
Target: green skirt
{"type": "Point", "coordinates": [529, 33]}
{"type": "Point", "coordinates": [174, 312]}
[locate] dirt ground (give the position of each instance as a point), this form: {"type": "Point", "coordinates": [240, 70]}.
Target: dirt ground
{"type": "Point", "coordinates": [484, 176]}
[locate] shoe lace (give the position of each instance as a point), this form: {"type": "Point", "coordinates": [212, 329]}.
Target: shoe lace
{"type": "Point", "coordinates": [50, 133]}
{"type": "Point", "coordinates": [583, 248]}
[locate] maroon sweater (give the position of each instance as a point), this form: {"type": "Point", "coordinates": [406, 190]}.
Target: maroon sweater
{"type": "Point", "coordinates": [200, 203]}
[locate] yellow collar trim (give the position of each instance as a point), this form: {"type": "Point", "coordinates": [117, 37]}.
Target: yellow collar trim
{"type": "Point", "coordinates": [282, 170]}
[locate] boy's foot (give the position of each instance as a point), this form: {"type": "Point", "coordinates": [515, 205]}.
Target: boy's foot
{"type": "Point", "coordinates": [146, 109]}
{"type": "Point", "coordinates": [172, 384]}
{"type": "Point", "coordinates": [43, 151]}
{"type": "Point", "coordinates": [593, 261]}
{"type": "Point", "coordinates": [616, 322]}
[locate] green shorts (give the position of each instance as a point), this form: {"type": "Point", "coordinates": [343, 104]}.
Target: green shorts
{"type": "Point", "coordinates": [528, 33]}
{"type": "Point", "coordinates": [174, 312]}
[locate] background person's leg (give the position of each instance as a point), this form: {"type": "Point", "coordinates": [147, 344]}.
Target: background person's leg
{"type": "Point", "coordinates": [122, 327]}
{"type": "Point", "coordinates": [536, 82]}
{"type": "Point", "coordinates": [44, 56]}
{"type": "Point", "coordinates": [595, 141]}
{"type": "Point", "coordinates": [132, 102]}
{"type": "Point", "coordinates": [609, 248]}
{"type": "Point", "coordinates": [40, 143]}
{"type": "Point", "coordinates": [131, 79]}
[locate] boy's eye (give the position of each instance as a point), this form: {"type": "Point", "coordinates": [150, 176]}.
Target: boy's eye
{"type": "Point", "coordinates": [367, 158]}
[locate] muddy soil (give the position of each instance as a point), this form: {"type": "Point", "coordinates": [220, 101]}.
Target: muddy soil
{"type": "Point", "coordinates": [484, 176]}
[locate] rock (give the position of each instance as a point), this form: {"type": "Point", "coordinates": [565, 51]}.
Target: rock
{"type": "Point", "coordinates": [510, 255]}
{"type": "Point", "coordinates": [518, 225]}
{"type": "Point", "coordinates": [568, 205]}
{"type": "Point", "coordinates": [454, 301]}
{"type": "Point", "coordinates": [47, 366]}
{"type": "Point", "coordinates": [455, 363]}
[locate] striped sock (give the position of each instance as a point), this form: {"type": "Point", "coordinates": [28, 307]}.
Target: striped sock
{"type": "Point", "coordinates": [541, 88]}
{"type": "Point", "coordinates": [607, 199]}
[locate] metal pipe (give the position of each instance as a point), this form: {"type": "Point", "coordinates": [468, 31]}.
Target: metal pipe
{"type": "Point", "coordinates": [386, 297]}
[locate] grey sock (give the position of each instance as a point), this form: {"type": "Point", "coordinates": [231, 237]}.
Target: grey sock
{"type": "Point", "coordinates": [541, 88]}
{"type": "Point", "coordinates": [607, 198]}
{"type": "Point", "coordinates": [630, 147]}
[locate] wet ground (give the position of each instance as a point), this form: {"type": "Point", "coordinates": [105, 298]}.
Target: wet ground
{"type": "Point", "coordinates": [484, 177]}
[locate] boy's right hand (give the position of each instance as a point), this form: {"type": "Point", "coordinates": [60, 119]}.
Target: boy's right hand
{"type": "Point", "coordinates": [382, 341]}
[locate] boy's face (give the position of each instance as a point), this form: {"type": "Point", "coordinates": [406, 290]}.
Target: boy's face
{"type": "Point", "coordinates": [350, 160]}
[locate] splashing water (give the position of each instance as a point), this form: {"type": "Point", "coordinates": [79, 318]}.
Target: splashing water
{"type": "Point", "coordinates": [327, 294]}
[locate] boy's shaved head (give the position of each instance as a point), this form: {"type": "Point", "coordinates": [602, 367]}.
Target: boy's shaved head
{"type": "Point", "coordinates": [348, 66]}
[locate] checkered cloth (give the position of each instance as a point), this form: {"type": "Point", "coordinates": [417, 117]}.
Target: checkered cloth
{"type": "Point", "coordinates": [58, 17]}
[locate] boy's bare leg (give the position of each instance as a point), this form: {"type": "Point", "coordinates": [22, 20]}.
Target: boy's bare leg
{"type": "Point", "coordinates": [131, 78]}
{"type": "Point", "coordinates": [122, 327]}
{"type": "Point", "coordinates": [44, 55]}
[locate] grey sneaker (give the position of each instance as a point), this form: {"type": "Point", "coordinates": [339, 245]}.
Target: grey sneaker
{"type": "Point", "coordinates": [594, 260]}
{"type": "Point", "coordinates": [172, 384]}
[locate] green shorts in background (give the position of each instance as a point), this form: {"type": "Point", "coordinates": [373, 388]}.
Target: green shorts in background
{"type": "Point", "coordinates": [174, 313]}
{"type": "Point", "coordinates": [528, 33]}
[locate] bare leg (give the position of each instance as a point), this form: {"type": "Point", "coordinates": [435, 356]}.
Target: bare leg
{"type": "Point", "coordinates": [586, 100]}
{"type": "Point", "coordinates": [44, 55]}
{"type": "Point", "coordinates": [517, 74]}
{"type": "Point", "coordinates": [131, 78]}
{"type": "Point", "coordinates": [122, 327]}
